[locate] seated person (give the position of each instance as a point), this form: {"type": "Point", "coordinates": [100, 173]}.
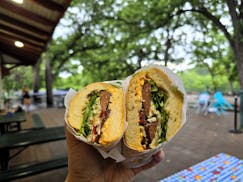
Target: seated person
{"type": "Point", "coordinates": [203, 103]}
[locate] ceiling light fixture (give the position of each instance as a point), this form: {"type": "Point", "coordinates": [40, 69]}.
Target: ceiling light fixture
{"type": "Point", "coordinates": [19, 44]}
{"type": "Point", "coordinates": [18, 1]}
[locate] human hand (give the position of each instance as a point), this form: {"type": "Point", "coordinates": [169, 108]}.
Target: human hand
{"type": "Point", "coordinates": [86, 164]}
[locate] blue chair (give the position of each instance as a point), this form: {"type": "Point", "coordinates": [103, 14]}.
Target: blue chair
{"type": "Point", "coordinates": [220, 103]}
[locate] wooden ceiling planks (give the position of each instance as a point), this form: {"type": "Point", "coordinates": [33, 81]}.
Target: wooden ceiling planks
{"type": "Point", "coordinates": [32, 23]}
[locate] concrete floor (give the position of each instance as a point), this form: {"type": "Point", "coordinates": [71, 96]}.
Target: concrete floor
{"type": "Point", "coordinates": [200, 138]}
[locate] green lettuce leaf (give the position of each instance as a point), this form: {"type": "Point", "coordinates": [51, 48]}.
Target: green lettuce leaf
{"type": "Point", "coordinates": [159, 98]}
{"type": "Point", "coordinates": [87, 113]}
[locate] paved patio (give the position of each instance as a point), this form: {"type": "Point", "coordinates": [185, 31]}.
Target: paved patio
{"type": "Point", "coordinates": [201, 137]}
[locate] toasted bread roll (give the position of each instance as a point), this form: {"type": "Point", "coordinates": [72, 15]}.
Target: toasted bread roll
{"type": "Point", "coordinates": [97, 113]}
{"type": "Point", "coordinates": [153, 109]}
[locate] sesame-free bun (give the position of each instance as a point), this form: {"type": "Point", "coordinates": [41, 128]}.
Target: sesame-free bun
{"type": "Point", "coordinates": [173, 105]}
{"type": "Point", "coordinates": [113, 127]}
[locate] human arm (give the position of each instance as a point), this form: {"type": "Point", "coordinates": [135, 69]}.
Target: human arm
{"type": "Point", "coordinates": [86, 164]}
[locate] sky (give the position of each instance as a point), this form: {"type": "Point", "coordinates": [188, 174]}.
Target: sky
{"type": "Point", "coordinates": [179, 51]}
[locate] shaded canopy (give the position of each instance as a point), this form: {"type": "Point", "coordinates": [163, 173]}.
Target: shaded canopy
{"type": "Point", "coordinates": [33, 23]}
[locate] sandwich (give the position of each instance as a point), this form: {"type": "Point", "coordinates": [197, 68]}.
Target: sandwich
{"type": "Point", "coordinates": [153, 109]}
{"type": "Point", "coordinates": [97, 113]}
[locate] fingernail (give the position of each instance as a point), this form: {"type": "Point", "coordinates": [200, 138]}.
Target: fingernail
{"type": "Point", "coordinates": [158, 157]}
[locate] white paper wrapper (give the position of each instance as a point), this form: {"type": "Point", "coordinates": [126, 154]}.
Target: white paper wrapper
{"type": "Point", "coordinates": [114, 150]}
{"type": "Point", "coordinates": [119, 150]}
{"type": "Point", "coordinates": [134, 158]}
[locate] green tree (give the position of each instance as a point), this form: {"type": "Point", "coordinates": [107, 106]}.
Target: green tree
{"type": "Point", "coordinates": [116, 37]}
{"type": "Point", "coordinates": [19, 76]}
{"type": "Point", "coordinates": [126, 34]}
{"type": "Point", "coordinates": [216, 11]}
{"type": "Point", "coordinates": [212, 52]}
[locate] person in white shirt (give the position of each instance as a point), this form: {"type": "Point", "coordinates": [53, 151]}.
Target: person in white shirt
{"type": "Point", "coordinates": [203, 103]}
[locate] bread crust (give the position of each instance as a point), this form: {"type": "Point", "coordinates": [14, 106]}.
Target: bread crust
{"type": "Point", "coordinates": [113, 127]}
{"type": "Point", "coordinates": [173, 105]}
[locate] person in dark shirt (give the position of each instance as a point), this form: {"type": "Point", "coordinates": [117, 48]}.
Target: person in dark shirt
{"type": "Point", "coordinates": [26, 98]}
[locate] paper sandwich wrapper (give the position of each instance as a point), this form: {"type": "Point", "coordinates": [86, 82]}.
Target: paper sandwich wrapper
{"type": "Point", "coordinates": [119, 151]}
{"type": "Point", "coordinates": [114, 150]}
{"type": "Point", "coordinates": [134, 158]}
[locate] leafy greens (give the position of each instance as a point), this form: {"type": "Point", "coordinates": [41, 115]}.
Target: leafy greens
{"type": "Point", "coordinates": [159, 97]}
{"type": "Point", "coordinates": [87, 113]}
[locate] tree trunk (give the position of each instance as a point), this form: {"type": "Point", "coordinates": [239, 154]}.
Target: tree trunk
{"type": "Point", "coordinates": [168, 46]}
{"type": "Point", "coordinates": [49, 80]}
{"type": "Point", "coordinates": [231, 87]}
{"type": "Point", "coordinates": [1, 88]}
{"type": "Point", "coordinates": [230, 80]}
{"type": "Point", "coordinates": [214, 84]}
{"type": "Point", "coordinates": [36, 78]}
{"type": "Point", "coordinates": [211, 72]}
{"type": "Point", "coordinates": [238, 52]}
{"type": "Point", "coordinates": [239, 61]}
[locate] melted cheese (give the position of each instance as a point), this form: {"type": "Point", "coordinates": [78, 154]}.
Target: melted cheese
{"type": "Point", "coordinates": [138, 89]}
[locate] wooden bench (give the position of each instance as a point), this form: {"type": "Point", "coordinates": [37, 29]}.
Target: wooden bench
{"type": "Point", "coordinates": [11, 121]}
{"type": "Point", "coordinates": [32, 169]}
{"type": "Point", "coordinates": [24, 139]}
{"type": "Point", "coordinates": [37, 122]}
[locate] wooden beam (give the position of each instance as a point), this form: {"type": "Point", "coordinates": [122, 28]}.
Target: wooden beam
{"type": "Point", "coordinates": [25, 58]}
{"type": "Point", "coordinates": [27, 47]}
{"type": "Point", "coordinates": [22, 39]}
{"type": "Point", "coordinates": [50, 5]}
{"type": "Point", "coordinates": [15, 9]}
{"type": "Point", "coordinates": [12, 30]}
{"type": "Point", "coordinates": [24, 25]}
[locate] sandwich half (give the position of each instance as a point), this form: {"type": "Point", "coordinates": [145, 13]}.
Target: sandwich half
{"type": "Point", "coordinates": [153, 109]}
{"type": "Point", "coordinates": [97, 113]}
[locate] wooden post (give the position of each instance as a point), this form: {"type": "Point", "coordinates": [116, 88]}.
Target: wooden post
{"type": "Point", "coordinates": [1, 87]}
{"type": "Point", "coordinates": [49, 79]}
{"type": "Point", "coordinates": [36, 79]}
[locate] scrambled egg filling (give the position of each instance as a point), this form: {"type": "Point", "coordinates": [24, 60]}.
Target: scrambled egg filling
{"type": "Point", "coordinates": [95, 121]}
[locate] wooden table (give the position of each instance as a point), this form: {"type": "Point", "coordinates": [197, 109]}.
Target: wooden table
{"type": "Point", "coordinates": [26, 138]}
{"type": "Point", "coordinates": [8, 119]}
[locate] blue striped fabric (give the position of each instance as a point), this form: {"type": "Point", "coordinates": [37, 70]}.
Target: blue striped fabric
{"type": "Point", "coordinates": [219, 168]}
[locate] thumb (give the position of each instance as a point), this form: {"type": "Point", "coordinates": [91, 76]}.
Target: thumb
{"type": "Point", "coordinates": [157, 158]}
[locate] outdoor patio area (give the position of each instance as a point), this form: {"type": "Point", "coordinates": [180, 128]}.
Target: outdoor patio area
{"type": "Point", "coordinates": [201, 138]}
{"type": "Point", "coordinates": [138, 60]}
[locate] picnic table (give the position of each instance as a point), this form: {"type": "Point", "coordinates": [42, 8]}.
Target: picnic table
{"type": "Point", "coordinates": [221, 167]}
{"type": "Point", "coordinates": [11, 118]}
{"type": "Point", "coordinates": [26, 138]}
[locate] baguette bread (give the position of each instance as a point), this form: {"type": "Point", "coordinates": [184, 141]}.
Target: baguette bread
{"type": "Point", "coordinates": [97, 113]}
{"type": "Point", "coordinates": [153, 109]}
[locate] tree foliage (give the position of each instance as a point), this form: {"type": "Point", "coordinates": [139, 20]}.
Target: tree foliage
{"type": "Point", "coordinates": [198, 79]}
{"type": "Point", "coordinates": [111, 39]}
{"type": "Point", "coordinates": [18, 77]}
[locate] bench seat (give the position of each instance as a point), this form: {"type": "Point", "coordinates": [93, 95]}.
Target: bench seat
{"type": "Point", "coordinates": [32, 169]}
{"type": "Point", "coordinates": [37, 122]}
{"type": "Point", "coordinates": [24, 139]}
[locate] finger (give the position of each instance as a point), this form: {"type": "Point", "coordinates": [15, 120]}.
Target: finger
{"type": "Point", "coordinates": [157, 158]}
{"type": "Point", "coordinates": [69, 136]}
{"type": "Point", "coordinates": [77, 146]}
